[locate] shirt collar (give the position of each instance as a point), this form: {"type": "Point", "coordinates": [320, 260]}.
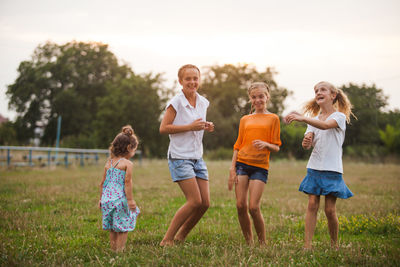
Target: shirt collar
{"type": "Point", "coordinates": [185, 102]}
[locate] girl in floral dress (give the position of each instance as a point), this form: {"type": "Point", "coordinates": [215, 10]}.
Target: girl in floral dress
{"type": "Point", "coordinates": [116, 201]}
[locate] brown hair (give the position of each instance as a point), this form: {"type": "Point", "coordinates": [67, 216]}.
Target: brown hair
{"type": "Point", "coordinates": [184, 67]}
{"type": "Point", "coordinates": [258, 85]}
{"type": "Point", "coordinates": [341, 102]}
{"type": "Point", "coordinates": [125, 140]}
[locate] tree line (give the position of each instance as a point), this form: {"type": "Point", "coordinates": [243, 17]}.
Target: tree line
{"type": "Point", "coordinates": [95, 94]}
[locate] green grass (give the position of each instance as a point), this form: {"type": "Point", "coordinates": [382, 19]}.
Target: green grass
{"type": "Point", "coordinates": [49, 217]}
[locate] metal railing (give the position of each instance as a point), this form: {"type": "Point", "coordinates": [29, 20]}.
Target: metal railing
{"type": "Point", "coordinates": [54, 154]}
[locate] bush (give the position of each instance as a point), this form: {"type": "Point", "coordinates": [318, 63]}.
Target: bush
{"type": "Point", "coordinates": [221, 153]}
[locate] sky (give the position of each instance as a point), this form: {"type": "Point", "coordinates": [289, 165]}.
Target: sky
{"type": "Point", "coordinates": [307, 41]}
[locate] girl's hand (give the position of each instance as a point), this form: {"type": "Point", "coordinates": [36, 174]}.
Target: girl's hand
{"type": "Point", "coordinates": [260, 145]}
{"type": "Point", "coordinates": [307, 140]}
{"type": "Point", "coordinates": [292, 116]}
{"type": "Point", "coordinates": [209, 126]}
{"type": "Point", "coordinates": [232, 178]}
{"type": "Point", "coordinates": [198, 125]}
{"type": "Point", "coordinates": [132, 205]}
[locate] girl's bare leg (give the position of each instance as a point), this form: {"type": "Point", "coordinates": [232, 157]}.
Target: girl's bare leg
{"type": "Point", "coordinates": [203, 186]}
{"type": "Point", "coordinates": [121, 241]}
{"type": "Point", "coordinates": [256, 188]}
{"type": "Point", "coordinates": [241, 189]}
{"type": "Point", "coordinates": [333, 222]}
{"type": "Point", "coordinates": [311, 219]}
{"type": "Point", "coordinates": [113, 240]}
{"type": "Point", "coordinates": [193, 203]}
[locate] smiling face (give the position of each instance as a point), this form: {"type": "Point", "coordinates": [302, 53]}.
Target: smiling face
{"type": "Point", "coordinates": [190, 80]}
{"type": "Point", "coordinates": [324, 94]}
{"type": "Point", "coordinates": [259, 99]}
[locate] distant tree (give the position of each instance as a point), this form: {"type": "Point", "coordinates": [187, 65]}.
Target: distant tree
{"type": "Point", "coordinates": [391, 138]}
{"type": "Point", "coordinates": [226, 88]}
{"type": "Point", "coordinates": [85, 84]}
{"type": "Point", "coordinates": [8, 136]}
{"type": "Point", "coordinates": [133, 101]}
{"type": "Point", "coordinates": [62, 80]}
{"type": "Point", "coordinates": [369, 103]}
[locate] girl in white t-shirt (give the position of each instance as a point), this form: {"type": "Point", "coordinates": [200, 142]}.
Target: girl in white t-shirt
{"type": "Point", "coordinates": [185, 122]}
{"type": "Point", "coordinates": [331, 109]}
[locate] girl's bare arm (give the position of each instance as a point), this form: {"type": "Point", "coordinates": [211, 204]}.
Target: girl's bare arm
{"type": "Point", "coordinates": [323, 125]}
{"type": "Point", "coordinates": [166, 126]}
{"type": "Point", "coordinates": [128, 186]}
{"type": "Point", "coordinates": [101, 184]}
{"type": "Point", "coordinates": [232, 171]}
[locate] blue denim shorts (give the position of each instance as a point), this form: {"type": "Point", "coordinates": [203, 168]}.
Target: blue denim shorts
{"type": "Point", "coordinates": [182, 169]}
{"type": "Point", "coordinates": [254, 173]}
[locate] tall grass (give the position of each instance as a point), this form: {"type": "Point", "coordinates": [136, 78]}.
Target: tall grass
{"type": "Point", "coordinates": [50, 218]}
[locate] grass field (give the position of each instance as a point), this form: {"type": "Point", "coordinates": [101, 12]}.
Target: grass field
{"type": "Point", "coordinates": [50, 218]}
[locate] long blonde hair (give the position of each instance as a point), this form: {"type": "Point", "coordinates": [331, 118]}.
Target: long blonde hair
{"type": "Point", "coordinates": [258, 85]}
{"type": "Point", "coordinates": [341, 103]}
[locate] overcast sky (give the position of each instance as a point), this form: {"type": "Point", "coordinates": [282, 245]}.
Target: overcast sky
{"type": "Point", "coordinates": [306, 41]}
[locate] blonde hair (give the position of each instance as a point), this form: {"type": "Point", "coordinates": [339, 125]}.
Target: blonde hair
{"type": "Point", "coordinates": [184, 67]}
{"type": "Point", "coordinates": [341, 102]}
{"type": "Point", "coordinates": [258, 85]}
{"type": "Point", "coordinates": [125, 139]}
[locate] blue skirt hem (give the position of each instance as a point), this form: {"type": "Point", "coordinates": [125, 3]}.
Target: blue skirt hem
{"type": "Point", "coordinates": [325, 183]}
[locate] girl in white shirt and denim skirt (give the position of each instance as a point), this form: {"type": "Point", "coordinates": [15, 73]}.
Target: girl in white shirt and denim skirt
{"type": "Point", "coordinates": [185, 122]}
{"type": "Point", "coordinates": [331, 109]}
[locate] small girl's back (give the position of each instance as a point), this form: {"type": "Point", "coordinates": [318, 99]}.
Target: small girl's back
{"type": "Point", "coordinates": [114, 205]}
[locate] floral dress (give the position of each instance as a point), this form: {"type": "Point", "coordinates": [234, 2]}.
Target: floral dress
{"type": "Point", "coordinates": [114, 206]}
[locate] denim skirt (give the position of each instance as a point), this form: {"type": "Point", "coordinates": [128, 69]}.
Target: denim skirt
{"type": "Point", "coordinates": [325, 183]}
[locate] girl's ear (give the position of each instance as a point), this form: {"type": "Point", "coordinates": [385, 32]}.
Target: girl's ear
{"type": "Point", "coordinates": [333, 96]}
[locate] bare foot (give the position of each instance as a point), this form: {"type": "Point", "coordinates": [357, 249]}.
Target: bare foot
{"type": "Point", "coordinates": [335, 247]}
{"type": "Point", "coordinates": [166, 243]}
{"type": "Point", "coordinates": [179, 241]}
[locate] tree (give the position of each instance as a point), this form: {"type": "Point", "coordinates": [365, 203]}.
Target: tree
{"type": "Point", "coordinates": [133, 101]}
{"type": "Point", "coordinates": [62, 80]}
{"type": "Point", "coordinates": [368, 103]}
{"type": "Point", "coordinates": [226, 88]}
{"type": "Point", "coordinates": [8, 136]}
{"type": "Point", "coordinates": [391, 138]}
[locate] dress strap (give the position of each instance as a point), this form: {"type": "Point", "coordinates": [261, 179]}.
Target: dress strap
{"type": "Point", "coordinates": [116, 163]}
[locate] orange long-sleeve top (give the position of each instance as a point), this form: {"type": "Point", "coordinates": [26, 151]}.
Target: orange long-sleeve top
{"type": "Point", "coordinates": [264, 127]}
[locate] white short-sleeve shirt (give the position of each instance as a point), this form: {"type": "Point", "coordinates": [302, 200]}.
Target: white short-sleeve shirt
{"type": "Point", "coordinates": [327, 152]}
{"type": "Point", "coordinates": [187, 145]}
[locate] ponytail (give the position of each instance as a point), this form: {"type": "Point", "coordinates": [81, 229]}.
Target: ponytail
{"type": "Point", "coordinates": [344, 105]}
{"type": "Point", "coordinates": [340, 103]}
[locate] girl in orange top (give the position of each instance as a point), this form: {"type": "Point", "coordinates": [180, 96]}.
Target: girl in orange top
{"type": "Point", "coordinates": [259, 134]}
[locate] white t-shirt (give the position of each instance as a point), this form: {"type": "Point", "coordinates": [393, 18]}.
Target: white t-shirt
{"type": "Point", "coordinates": [327, 152]}
{"type": "Point", "coordinates": [187, 145]}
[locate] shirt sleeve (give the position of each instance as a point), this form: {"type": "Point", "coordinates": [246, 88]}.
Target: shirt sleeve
{"type": "Point", "coordinates": [340, 118]}
{"type": "Point", "coordinates": [239, 140]}
{"type": "Point", "coordinates": [174, 103]}
{"type": "Point", "coordinates": [310, 129]}
{"type": "Point", "coordinates": [276, 132]}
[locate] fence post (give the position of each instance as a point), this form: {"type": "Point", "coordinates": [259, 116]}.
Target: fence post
{"type": "Point", "coordinates": [66, 159]}
{"type": "Point", "coordinates": [30, 158]}
{"type": "Point", "coordinates": [48, 158]}
{"type": "Point", "coordinates": [82, 163]}
{"type": "Point", "coordinates": [8, 158]}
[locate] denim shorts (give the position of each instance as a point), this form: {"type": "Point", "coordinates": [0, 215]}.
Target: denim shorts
{"type": "Point", "coordinates": [182, 169]}
{"type": "Point", "coordinates": [254, 173]}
